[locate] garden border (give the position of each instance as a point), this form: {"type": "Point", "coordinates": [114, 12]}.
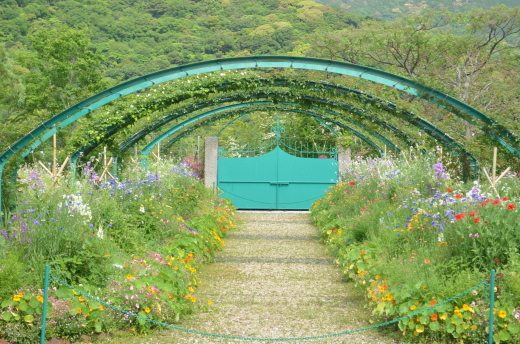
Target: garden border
{"type": "Point", "coordinates": [48, 278]}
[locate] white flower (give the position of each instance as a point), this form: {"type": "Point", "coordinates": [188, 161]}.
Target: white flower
{"type": "Point", "coordinates": [142, 209]}
{"type": "Point", "coordinates": [100, 234]}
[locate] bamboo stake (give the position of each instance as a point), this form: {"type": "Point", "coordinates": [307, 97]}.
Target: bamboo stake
{"type": "Point", "coordinates": [54, 155]}
{"type": "Point", "coordinates": [495, 151]}
{"type": "Point", "coordinates": [491, 182]}
{"type": "Point", "coordinates": [105, 169]}
{"type": "Point", "coordinates": [45, 168]}
{"type": "Point", "coordinates": [60, 171]}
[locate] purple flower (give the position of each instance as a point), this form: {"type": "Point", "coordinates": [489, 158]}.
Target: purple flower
{"type": "Point", "coordinates": [440, 172]}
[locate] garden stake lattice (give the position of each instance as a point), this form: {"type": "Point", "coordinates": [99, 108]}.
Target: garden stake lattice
{"type": "Point", "coordinates": [49, 278]}
{"type": "Point", "coordinates": [494, 180]}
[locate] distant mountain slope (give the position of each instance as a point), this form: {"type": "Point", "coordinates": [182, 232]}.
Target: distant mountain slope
{"type": "Point", "coordinates": [391, 9]}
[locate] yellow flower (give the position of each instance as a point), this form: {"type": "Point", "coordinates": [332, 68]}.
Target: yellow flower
{"type": "Point", "coordinates": [39, 298]}
{"type": "Point", "coordinates": [129, 276]}
{"type": "Point", "coordinates": [101, 308]}
{"type": "Point", "coordinates": [413, 307]}
{"type": "Point", "coordinates": [191, 289]}
{"type": "Point", "coordinates": [502, 314]}
{"type": "Point", "coordinates": [81, 298]}
{"type": "Point", "coordinates": [210, 302]}
{"type": "Point", "coordinates": [147, 310]}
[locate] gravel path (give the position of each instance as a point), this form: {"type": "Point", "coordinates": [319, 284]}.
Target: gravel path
{"type": "Point", "coordinates": [275, 279]}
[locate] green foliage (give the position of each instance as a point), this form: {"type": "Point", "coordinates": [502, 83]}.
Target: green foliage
{"type": "Point", "coordinates": [412, 238]}
{"type": "Point", "coordinates": [135, 244]}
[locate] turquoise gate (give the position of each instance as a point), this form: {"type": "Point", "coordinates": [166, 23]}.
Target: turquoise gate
{"type": "Point", "coordinates": [276, 179]}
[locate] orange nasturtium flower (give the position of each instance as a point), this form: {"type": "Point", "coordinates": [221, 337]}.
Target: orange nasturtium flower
{"type": "Point", "coordinates": [427, 261]}
{"type": "Point", "coordinates": [433, 303]}
{"type": "Point", "coordinates": [434, 317]}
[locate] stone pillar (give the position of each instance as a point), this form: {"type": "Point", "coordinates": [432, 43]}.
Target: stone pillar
{"type": "Point", "coordinates": [210, 162]}
{"type": "Point", "coordinates": [344, 161]}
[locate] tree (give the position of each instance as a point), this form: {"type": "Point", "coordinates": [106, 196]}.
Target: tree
{"type": "Point", "coordinates": [465, 54]}
{"type": "Point", "coordinates": [64, 69]}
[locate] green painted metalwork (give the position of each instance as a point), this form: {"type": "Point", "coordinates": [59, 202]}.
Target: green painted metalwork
{"type": "Point", "coordinates": [276, 180]}
{"type": "Point", "coordinates": [70, 115]}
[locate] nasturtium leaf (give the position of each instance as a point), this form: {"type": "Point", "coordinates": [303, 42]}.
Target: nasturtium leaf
{"type": "Point", "coordinates": [419, 328]}
{"type": "Point", "coordinates": [513, 328]}
{"type": "Point", "coordinates": [6, 316]}
{"type": "Point", "coordinates": [28, 318]}
{"type": "Point", "coordinates": [504, 335]}
{"type": "Point", "coordinates": [434, 326]}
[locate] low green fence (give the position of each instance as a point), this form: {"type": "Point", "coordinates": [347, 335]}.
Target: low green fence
{"type": "Point", "coordinates": [48, 277]}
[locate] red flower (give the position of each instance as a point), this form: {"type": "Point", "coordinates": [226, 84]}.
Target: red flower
{"type": "Point", "coordinates": [449, 189]}
{"type": "Point", "coordinates": [477, 219]}
{"type": "Point", "coordinates": [352, 183]}
{"type": "Point", "coordinates": [434, 317]}
{"type": "Point", "coordinates": [473, 213]}
{"type": "Point", "coordinates": [427, 261]}
{"type": "Point", "coordinates": [458, 196]}
{"type": "Point", "coordinates": [505, 199]}
{"type": "Point", "coordinates": [459, 216]}
{"type": "Point", "coordinates": [510, 206]}
{"type": "Point", "coordinates": [496, 202]}
{"type": "Point", "coordinates": [433, 303]}
{"type": "Point", "coordinates": [496, 260]}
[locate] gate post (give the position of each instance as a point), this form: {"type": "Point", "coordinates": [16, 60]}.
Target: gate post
{"type": "Point", "coordinates": [210, 162]}
{"type": "Point", "coordinates": [344, 161]}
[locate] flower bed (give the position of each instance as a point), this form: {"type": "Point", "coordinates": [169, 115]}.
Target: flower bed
{"type": "Point", "coordinates": [137, 244]}
{"type": "Point", "coordinates": [413, 238]}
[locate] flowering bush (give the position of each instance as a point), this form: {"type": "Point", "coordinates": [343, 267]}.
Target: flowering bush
{"type": "Point", "coordinates": [412, 238]}
{"type": "Point", "coordinates": [134, 244]}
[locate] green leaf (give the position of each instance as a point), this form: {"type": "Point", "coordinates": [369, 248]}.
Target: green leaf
{"type": "Point", "coordinates": [434, 326]}
{"type": "Point", "coordinates": [28, 318]}
{"type": "Point", "coordinates": [6, 316]}
{"type": "Point", "coordinates": [504, 335]}
{"type": "Point", "coordinates": [6, 303]}
{"type": "Point", "coordinates": [97, 327]}
{"type": "Point", "coordinates": [23, 305]}
{"type": "Point", "coordinates": [513, 328]}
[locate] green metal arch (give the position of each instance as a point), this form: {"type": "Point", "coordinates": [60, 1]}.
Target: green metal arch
{"type": "Point", "coordinates": [43, 132]}
{"type": "Point", "coordinates": [146, 151]}
{"type": "Point", "coordinates": [279, 82]}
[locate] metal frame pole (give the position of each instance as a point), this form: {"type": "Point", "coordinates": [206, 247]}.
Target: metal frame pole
{"type": "Point", "coordinates": [491, 305]}
{"type": "Point", "coordinates": [45, 298]}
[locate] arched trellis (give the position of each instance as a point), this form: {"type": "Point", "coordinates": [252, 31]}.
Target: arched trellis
{"type": "Point", "coordinates": [265, 105]}
{"type": "Point", "coordinates": [47, 129]}
{"type": "Point", "coordinates": [145, 152]}
{"type": "Point", "coordinates": [420, 123]}
{"type": "Point", "coordinates": [320, 86]}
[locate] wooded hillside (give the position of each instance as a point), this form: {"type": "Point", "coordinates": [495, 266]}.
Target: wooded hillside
{"type": "Point", "coordinates": [392, 9]}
